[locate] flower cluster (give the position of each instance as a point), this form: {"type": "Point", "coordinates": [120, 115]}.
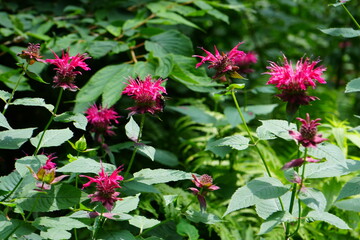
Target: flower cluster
{"type": "Point", "coordinates": [32, 54]}
{"type": "Point", "coordinates": [308, 136]}
{"type": "Point", "coordinates": [204, 183]}
{"type": "Point", "coordinates": [101, 119]}
{"type": "Point", "coordinates": [147, 95]}
{"type": "Point", "coordinates": [105, 186]}
{"type": "Point", "coordinates": [46, 174]}
{"type": "Point", "coordinates": [294, 82]}
{"type": "Point", "coordinates": [65, 71]}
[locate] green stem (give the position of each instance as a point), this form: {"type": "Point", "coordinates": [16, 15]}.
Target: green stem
{"type": "Point", "coordinates": [17, 185]}
{"type": "Point", "coordinates": [50, 121]}
{"type": "Point", "coordinates": [136, 148]}
{"type": "Point", "coordinates": [14, 89]}
{"type": "Point", "coordinates": [351, 16]}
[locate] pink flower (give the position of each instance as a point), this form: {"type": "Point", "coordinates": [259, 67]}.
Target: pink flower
{"type": "Point", "coordinates": [298, 162]}
{"type": "Point", "coordinates": [101, 119]}
{"type": "Point", "coordinates": [46, 174]}
{"type": "Point", "coordinates": [32, 54]}
{"type": "Point", "coordinates": [65, 71]}
{"type": "Point", "coordinates": [308, 136]}
{"type": "Point", "coordinates": [204, 183]}
{"type": "Point", "coordinates": [244, 62]}
{"type": "Point", "coordinates": [147, 95]}
{"type": "Point", "coordinates": [294, 82]}
{"type": "Point", "coordinates": [222, 63]}
{"type": "Point", "coordinates": [105, 186]}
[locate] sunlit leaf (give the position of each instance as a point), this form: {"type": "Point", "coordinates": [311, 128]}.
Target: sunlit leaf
{"type": "Point", "coordinates": [150, 176]}
{"type": "Point", "coordinates": [350, 188]}
{"type": "Point", "coordinates": [329, 218]}
{"type": "Point", "coordinates": [52, 138]}
{"type": "Point", "coordinates": [342, 32]}
{"type": "Point", "coordinates": [14, 138]}
{"type": "Point", "coordinates": [353, 86]}
{"type": "Point", "coordinates": [36, 102]}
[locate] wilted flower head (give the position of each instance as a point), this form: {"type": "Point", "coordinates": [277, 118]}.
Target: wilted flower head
{"type": "Point", "coordinates": [46, 174]}
{"type": "Point", "coordinates": [205, 184]}
{"type": "Point", "coordinates": [294, 82]}
{"type": "Point", "coordinates": [105, 187]}
{"type": "Point", "coordinates": [65, 71]}
{"type": "Point", "coordinates": [31, 54]}
{"type": "Point", "coordinates": [222, 63]}
{"type": "Point", "coordinates": [308, 136]}
{"type": "Point", "coordinates": [298, 162]}
{"type": "Point", "coordinates": [147, 95]}
{"type": "Point", "coordinates": [101, 119]}
{"type": "Point", "coordinates": [244, 62]}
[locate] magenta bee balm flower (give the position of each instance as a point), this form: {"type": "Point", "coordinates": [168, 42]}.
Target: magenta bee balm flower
{"type": "Point", "coordinates": [32, 54]}
{"type": "Point", "coordinates": [65, 71]}
{"type": "Point", "coordinates": [147, 95]}
{"type": "Point", "coordinates": [308, 136]}
{"type": "Point", "coordinates": [105, 187]}
{"type": "Point", "coordinates": [204, 185]}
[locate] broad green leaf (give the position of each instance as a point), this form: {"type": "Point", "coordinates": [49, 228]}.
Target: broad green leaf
{"type": "Point", "coordinates": [15, 227]}
{"type": "Point", "coordinates": [78, 119]}
{"type": "Point", "coordinates": [197, 115]}
{"type": "Point", "coordinates": [270, 129]}
{"type": "Point", "coordinates": [149, 151]}
{"type": "Point", "coordinates": [241, 198]}
{"type": "Point", "coordinates": [52, 138]}
{"type": "Point", "coordinates": [350, 188]}
{"type": "Point", "coordinates": [132, 130]}
{"type": "Point", "coordinates": [143, 69]}
{"type": "Point", "coordinates": [166, 158]}
{"type": "Point", "coordinates": [261, 109]}
{"type": "Point", "coordinates": [55, 234]}
{"type": "Point", "coordinates": [313, 198]}
{"type": "Point", "coordinates": [275, 219]}
{"type": "Point", "coordinates": [86, 165]}
{"type": "Point", "coordinates": [237, 142]}
{"type": "Point", "coordinates": [36, 102]}
{"type": "Point", "coordinates": [3, 122]}
{"type": "Point", "coordinates": [232, 116]}
{"type": "Point", "coordinates": [8, 183]}
{"type": "Point", "coordinates": [342, 32]}
{"type": "Point", "coordinates": [185, 229]}
{"type": "Point", "coordinates": [353, 86]}
{"type": "Point", "coordinates": [116, 235]}
{"type": "Point", "coordinates": [149, 176]}
{"type": "Point", "coordinates": [14, 138]}
{"type": "Point", "coordinates": [135, 187]}
{"type": "Point", "coordinates": [143, 222]}
{"type": "Point", "coordinates": [34, 162]}
{"type": "Point", "coordinates": [35, 76]}
{"type": "Point", "coordinates": [127, 204]}
{"type": "Point", "coordinates": [61, 223]}
{"type": "Point", "coordinates": [329, 218]}
{"type": "Point", "coordinates": [211, 11]}
{"type": "Point", "coordinates": [331, 169]}
{"type": "Point", "coordinates": [4, 95]}
{"type": "Point", "coordinates": [98, 49]}
{"type": "Point", "coordinates": [178, 19]}
{"type": "Point", "coordinates": [352, 204]}
{"type": "Point", "coordinates": [329, 151]}
{"type": "Point", "coordinates": [61, 196]}
{"type": "Point", "coordinates": [207, 218]}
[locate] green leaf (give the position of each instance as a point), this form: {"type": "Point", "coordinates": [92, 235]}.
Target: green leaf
{"type": "Point", "coordinates": [341, 32]}
{"type": "Point", "coordinates": [36, 102]}
{"type": "Point", "coordinates": [35, 76]}
{"type": "Point", "coordinates": [55, 234]}
{"type": "Point", "coordinates": [14, 138]}
{"type": "Point", "coordinates": [134, 187]}
{"type": "Point", "coordinates": [78, 119]}
{"type": "Point", "coordinates": [352, 204]}
{"type": "Point", "coordinates": [314, 199]}
{"type": "Point", "coordinates": [4, 95]}
{"type": "Point", "coordinates": [270, 129]}
{"type": "Point", "coordinates": [353, 86]}
{"type": "Point", "coordinates": [61, 223]}
{"type": "Point", "coordinates": [52, 138]}
{"type": "Point", "coordinates": [34, 162]}
{"type": "Point", "coordinates": [275, 219]}
{"type": "Point", "coordinates": [350, 188]}
{"type": "Point", "coordinates": [237, 142]}
{"type": "Point", "coordinates": [8, 183]}
{"type": "Point", "coordinates": [207, 218]}
{"type": "Point", "coordinates": [116, 235]}
{"type": "Point", "coordinates": [86, 165]}
{"type": "Point", "coordinates": [185, 229]}
{"type": "Point", "coordinates": [114, 30]}
{"type": "Point", "coordinates": [127, 204]}
{"type": "Point", "coordinates": [149, 176]}
{"type": "Point", "coordinates": [149, 151]}
{"type": "Point", "coordinates": [232, 116]}
{"type": "Point", "coordinates": [166, 158]}
{"type": "Point", "coordinates": [329, 151]}
{"type": "Point", "coordinates": [329, 218]}
{"type": "Point", "coordinates": [143, 222]}
{"type": "Point", "coordinates": [331, 169]}
{"type": "Point", "coordinates": [197, 115]}
{"type": "Point", "coordinates": [211, 11]}
{"type": "Point", "coordinates": [61, 196]}
{"type": "Point", "coordinates": [132, 130]}
{"type": "Point", "coordinates": [178, 19]}
{"type": "Point", "coordinates": [98, 49]}
{"type": "Point", "coordinates": [3, 122]}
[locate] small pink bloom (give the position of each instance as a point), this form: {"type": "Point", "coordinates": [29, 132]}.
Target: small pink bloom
{"type": "Point", "coordinates": [244, 62]}
{"type": "Point", "coordinates": [294, 82]}
{"type": "Point", "coordinates": [147, 95]}
{"type": "Point", "coordinates": [204, 183]}
{"type": "Point", "coordinates": [105, 186]}
{"type": "Point", "coordinates": [222, 63]}
{"type": "Point", "coordinates": [32, 54]}
{"type": "Point", "coordinates": [308, 136]}
{"type": "Point", "coordinates": [298, 162]}
{"type": "Point", "coordinates": [65, 71]}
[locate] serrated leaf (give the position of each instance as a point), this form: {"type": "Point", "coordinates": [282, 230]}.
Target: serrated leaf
{"type": "Point", "coordinates": [86, 165]}
{"type": "Point", "coordinates": [352, 204]}
{"type": "Point", "coordinates": [116, 235]}
{"type": "Point", "coordinates": [330, 169]}
{"type": "Point", "coordinates": [35, 76]}
{"type": "Point", "coordinates": [237, 142]}
{"type": "Point", "coordinates": [207, 218]}
{"type": "Point", "coordinates": [270, 129]}
{"type": "Point", "coordinates": [143, 222]}
{"type": "Point", "coordinates": [211, 11]}
{"type": "Point", "coordinates": [132, 130]}
{"type": "Point", "coordinates": [65, 223]}
{"type": "Point", "coordinates": [178, 19]}
{"type": "Point", "coordinates": [98, 49]}
{"type": "Point", "coordinates": [353, 86]}
{"type": "Point", "coordinates": [149, 151]}
{"type": "Point", "coordinates": [34, 162]}
{"type": "Point", "coordinates": [14, 138]}
{"type": "Point", "coordinates": [127, 204]}
{"type": "Point", "coordinates": [150, 176]}
{"type": "Point", "coordinates": [350, 188]}
{"type": "Point", "coordinates": [329, 218]}
{"type": "Point", "coordinates": [52, 138]}
{"type": "Point", "coordinates": [313, 198]}
{"type": "Point", "coordinates": [275, 219]}
{"type": "Point", "coordinates": [342, 32]}
{"type": "Point", "coordinates": [55, 234]}
{"type": "Point", "coordinates": [232, 116]}
{"type": "Point", "coordinates": [3, 122]}
{"type": "Point", "coordinates": [36, 102]}
{"type": "Point", "coordinates": [78, 119]}
{"type": "Point", "coordinates": [328, 151]}
{"type": "Point", "coordinates": [8, 183]}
